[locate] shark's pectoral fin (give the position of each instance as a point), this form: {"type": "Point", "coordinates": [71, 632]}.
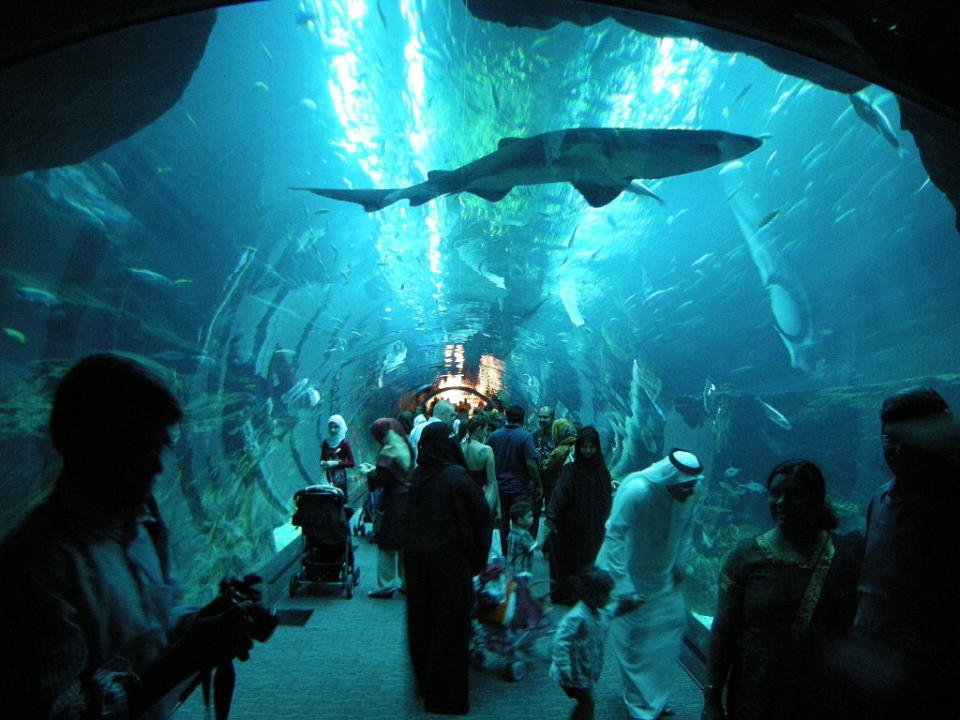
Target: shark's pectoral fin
{"type": "Point", "coordinates": [490, 195]}
{"type": "Point", "coordinates": [371, 200]}
{"type": "Point", "coordinates": [600, 195]}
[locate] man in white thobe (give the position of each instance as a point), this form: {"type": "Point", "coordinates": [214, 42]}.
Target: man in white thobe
{"type": "Point", "coordinates": [646, 547]}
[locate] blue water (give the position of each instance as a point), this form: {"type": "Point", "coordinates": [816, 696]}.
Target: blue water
{"type": "Point", "coordinates": [614, 314]}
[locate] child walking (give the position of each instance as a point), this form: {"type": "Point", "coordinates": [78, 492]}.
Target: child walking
{"type": "Point", "coordinates": [520, 543]}
{"type": "Point", "coordinates": [578, 645]}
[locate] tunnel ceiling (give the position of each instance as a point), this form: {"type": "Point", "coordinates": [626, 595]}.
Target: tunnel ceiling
{"type": "Point", "coordinates": [189, 249]}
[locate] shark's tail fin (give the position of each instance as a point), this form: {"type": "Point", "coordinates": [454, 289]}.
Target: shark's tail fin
{"type": "Point", "coordinates": [371, 200]}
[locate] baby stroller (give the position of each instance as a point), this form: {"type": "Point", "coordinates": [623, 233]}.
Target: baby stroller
{"type": "Point", "coordinates": [368, 513]}
{"type": "Point", "coordinates": [323, 519]}
{"type": "Point", "coordinates": [509, 619]}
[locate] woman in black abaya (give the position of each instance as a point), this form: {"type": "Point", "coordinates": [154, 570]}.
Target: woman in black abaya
{"type": "Point", "coordinates": [577, 513]}
{"type": "Point", "coordinates": [447, 541]}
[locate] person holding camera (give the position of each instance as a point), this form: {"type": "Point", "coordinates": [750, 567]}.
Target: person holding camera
{"type": "Point", "coordinates": [89, 600]}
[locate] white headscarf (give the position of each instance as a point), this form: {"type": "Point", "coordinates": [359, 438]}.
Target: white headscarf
{"type": "Point", "coordinates": [665, 472]}
{"type": "Point", "coordinates": [341, 423]}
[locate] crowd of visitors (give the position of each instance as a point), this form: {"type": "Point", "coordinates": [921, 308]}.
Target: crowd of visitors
{"type": "Point", "coordinates": [869, 622]}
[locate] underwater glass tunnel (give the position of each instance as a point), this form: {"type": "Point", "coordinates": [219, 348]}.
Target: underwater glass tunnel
{"type": "Point", "coordinates": [678, 235]}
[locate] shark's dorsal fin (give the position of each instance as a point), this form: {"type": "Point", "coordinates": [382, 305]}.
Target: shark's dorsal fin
{"type": "Point", "coordinates": [490, 195]}
{"type": "Point", "coordinates": [599, 195]}
{"type": "Point", "coordinates": [436, 174]}
{"type": "Point", "coordinates": [507, 141]}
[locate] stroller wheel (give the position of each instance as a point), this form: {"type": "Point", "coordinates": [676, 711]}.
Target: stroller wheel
{"type": "Point", "coordinates": [478, 659]}
{"type": "Point", "coordinates": [515, 671]}
{"type": "Point", "coordinates": [294, 584]}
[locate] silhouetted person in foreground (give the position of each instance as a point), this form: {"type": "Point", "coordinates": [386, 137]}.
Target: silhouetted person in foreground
{"type": "Point", "coordinates": [902, 660]}
{"type": "Point", "coordinates": [783, 595]}
{"type": "Point", "coordinates": [448, 538]}
{"type": "Point", "coordinates": [90, 627]}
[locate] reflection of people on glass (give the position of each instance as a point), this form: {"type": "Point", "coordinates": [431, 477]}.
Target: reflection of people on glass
{"type": "Point", "coordinates": [336, 455]}
{"type": "Point", "coordinates": [782, 594]}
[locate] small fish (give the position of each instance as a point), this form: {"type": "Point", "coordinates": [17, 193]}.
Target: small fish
{"type": "Point", "coordinates": [769, 218]}
{"type": "Point", "coordinates": [170, 355]}
{"type": "Point", "coordinates": [658, 293]}
{"type": "Point", "coordinates": [112, 175]}
{"type": "Point", "coordinates": [731, 472]}
{"type": "Point", "coordinates": [155, 278]}
{"type": "Point", "coordinates": [844, 215]}
{"type": "Point", "coordinates": [775, 415]}
{"type": "Point", "coordinates": [16, 335]}
{"type": "Point", "coordinates": [542, 40]}
{"type": "Point", "coordinates": [702, 259]}
{"type": "Point", "coordinates": [742, 93]}
{"type": "Point", "coordinates": [38, 296]}
{"type": "Point", "coordinates": [874, 117]}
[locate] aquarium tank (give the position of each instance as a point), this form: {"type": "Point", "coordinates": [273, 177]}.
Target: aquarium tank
{"type": "Point", "coordinates": [682, 236]}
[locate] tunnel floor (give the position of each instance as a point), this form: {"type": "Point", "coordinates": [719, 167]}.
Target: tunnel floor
{"type": "Point", "coordinates": [349, 662]}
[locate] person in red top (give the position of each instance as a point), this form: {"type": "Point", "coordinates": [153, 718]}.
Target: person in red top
{"type": "Point", "coordinates": [336, 455]}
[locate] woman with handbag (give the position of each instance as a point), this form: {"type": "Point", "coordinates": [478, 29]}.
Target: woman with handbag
{"type": "Point", "coordinates": [782, 596]}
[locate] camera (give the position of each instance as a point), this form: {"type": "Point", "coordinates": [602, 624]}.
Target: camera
{"type": "Point", "coordinates": [243, 594]}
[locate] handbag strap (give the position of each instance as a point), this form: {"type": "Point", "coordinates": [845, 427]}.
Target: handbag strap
{"type": "Point", "coordinates": [814, 589]}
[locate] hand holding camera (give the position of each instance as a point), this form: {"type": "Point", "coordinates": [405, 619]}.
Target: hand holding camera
{"type": "Point", "coordinates": [225, 628]}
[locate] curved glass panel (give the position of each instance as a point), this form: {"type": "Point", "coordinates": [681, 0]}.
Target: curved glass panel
{"type": "Point", "coordinates": [747, 278]}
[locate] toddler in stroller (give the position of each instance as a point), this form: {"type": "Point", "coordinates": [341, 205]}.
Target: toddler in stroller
{"type": "Point", "coordinates": [324, 519]}
{"type": "Point", "coordinates": [509, 618]}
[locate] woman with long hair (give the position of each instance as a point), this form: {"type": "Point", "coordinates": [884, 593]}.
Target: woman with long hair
{"type": "Point", "coordinates": [391, 475]}
{"type": "Point", "coordinates": [480, 462]}
{"type": "Point", "coordinates": [781, 594]}
{"type": "Point", "coordinates": [576, 514]}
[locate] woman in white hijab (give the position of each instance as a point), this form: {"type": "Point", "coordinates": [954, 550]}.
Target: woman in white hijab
{"type": "Point", "coordinates": [336, 455]}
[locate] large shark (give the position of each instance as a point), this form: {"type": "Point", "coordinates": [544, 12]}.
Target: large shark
{"type": "Point", "coordinates": [600, 163]}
